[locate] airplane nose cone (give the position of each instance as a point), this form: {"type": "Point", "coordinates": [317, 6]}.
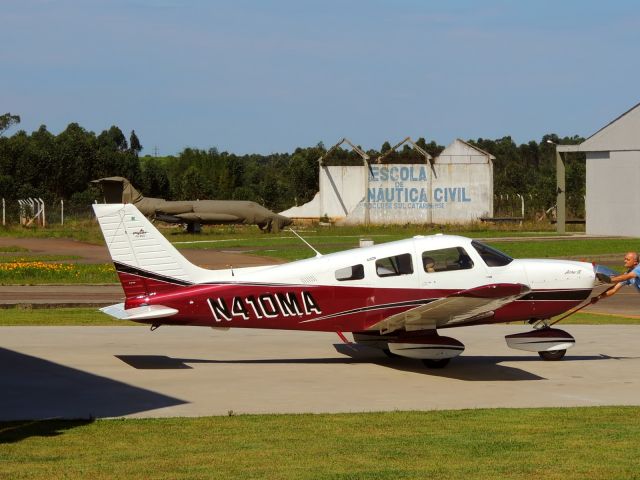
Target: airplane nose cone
{"type": "Point", "coordinates": [603, 274]}
{"type": "Point", "coordinates": [284, 221]}
{"type": "Point", "coordinates": [277, 222]}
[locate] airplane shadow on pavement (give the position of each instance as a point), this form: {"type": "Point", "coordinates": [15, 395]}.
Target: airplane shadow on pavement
{"type": "Point", "coordinates": [465, 367]}
{"type": "Point", "coordinates": [36, 389]}
{"type": "Point", "coordinates": [480, 369]}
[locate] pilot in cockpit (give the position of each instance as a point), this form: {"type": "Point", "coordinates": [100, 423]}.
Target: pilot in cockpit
{"type": "Point", "coordinates": [429, 264]}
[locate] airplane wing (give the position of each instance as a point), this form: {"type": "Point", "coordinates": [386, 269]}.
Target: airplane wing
{"type": "Point", "coordinates": [478, 302]}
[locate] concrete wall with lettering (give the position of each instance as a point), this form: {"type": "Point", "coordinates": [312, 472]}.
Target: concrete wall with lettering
{"type": "Point", "coordinates": [466, 191]}
{"type": "Point", "coordinates": [341, 190]}
{"type": "Point", "coordinates": [456, 188]}
{"type": "Point", "coordinates": [397, 194]}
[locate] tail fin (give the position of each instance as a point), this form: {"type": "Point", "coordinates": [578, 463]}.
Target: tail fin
{"type": "Point", "coordinates": [145, 260]}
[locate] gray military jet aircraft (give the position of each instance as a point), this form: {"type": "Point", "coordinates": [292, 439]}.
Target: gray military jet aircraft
{"type": "Point", "coordinates": [192, 213]}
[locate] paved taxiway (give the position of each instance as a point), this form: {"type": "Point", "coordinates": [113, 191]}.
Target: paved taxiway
{"type": "Point", "coordinates": [81, 372]}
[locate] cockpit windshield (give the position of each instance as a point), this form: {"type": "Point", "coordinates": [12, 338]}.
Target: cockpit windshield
{"type": "Point", "coordinates": [491, 256]}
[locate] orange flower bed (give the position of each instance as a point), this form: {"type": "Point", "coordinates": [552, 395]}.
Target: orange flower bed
{"type": "Point", "coordinates": [22, 270]}
{"type": "Point", "coordinates": [39, 266]}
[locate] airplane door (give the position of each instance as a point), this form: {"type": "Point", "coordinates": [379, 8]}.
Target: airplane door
{"type": "Point", "coordinates": [450, 268]}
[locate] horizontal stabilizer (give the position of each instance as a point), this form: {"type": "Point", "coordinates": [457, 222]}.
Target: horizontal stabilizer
{"type": "Point", "coordinates": [148, 312]}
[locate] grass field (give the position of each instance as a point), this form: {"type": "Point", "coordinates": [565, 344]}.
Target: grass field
{"type": "Point", "coordinates": [12, 249]}
{"type": "Point", "coordinates": [89, 316]}
{"type": "Point", "coordinates": [35, 272]}
{"type": "Point", "coordinates": [40, 257]}
{"type": "Point", "coordinates": [563, 444]}
{"type": "Point", "coordinates": [81, 230]}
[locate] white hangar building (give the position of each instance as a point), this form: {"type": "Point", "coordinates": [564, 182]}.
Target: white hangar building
{"type": "Point", "coordinates": [613, 176]}
{"type": "Point", "coordinates": [455, 187]}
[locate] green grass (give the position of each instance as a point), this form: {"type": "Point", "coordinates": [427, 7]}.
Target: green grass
{"type": "Point", "coordinates": [598, 319]}
{"type": "Point", "coordinates": [36, 273]}
{"type": "Point", "coordinates": [40, 257]}
{"type": "Point", "coordinates": [12, 249]}
{"type": "Point", "coordinates": [584, 248]}
{"type": "Point", "coordinates": [57, 317]}
{"type": "Point", "coordinates": [554, 444]}
{"type": "Point", "coordinates": [81, 230]}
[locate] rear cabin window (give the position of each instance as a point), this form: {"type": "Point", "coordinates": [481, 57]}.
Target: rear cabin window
{"type": "Point", "coordinates": [446, 260]}
{"type": "Point", "coordinates": [394, 266]}
{"type": "Point", "coordinates": [491, 256]}
{"type": "Point", "coordinates": [354, 272]}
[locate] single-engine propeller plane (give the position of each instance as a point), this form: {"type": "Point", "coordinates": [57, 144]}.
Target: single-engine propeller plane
{"type": "Point", "coordinates": [395, 296]}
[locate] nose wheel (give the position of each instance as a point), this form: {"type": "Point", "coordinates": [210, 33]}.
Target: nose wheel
{"type": "Point", "coordinates": [553, 355]}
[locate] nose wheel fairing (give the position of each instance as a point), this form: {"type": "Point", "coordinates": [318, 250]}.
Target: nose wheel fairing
{"type": "Point", "coordinates": [541, 340]}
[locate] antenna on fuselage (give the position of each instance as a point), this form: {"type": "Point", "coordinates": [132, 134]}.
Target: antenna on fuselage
{"type": "Point", "coordinates": [318, 254]}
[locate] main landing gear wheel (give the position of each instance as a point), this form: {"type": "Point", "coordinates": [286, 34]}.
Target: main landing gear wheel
{"type": "Point", "coordinates": [552, 355]}
{"type": "Point", "coordinates": [430, 363]}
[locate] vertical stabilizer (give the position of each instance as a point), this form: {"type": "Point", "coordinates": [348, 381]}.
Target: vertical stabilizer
{"type": "Point", "coordinates": [145, 260]}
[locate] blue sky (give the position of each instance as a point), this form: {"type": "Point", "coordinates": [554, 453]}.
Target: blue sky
{"type": "Point", "coordinates": [269, 76]}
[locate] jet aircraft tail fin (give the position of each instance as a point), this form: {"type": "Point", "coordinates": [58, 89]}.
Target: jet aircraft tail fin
{"type": "Point", "coordinates": [145, 260]}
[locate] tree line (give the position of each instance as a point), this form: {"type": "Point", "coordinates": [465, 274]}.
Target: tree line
{"type": "Point", "coordinates": [54, 167]}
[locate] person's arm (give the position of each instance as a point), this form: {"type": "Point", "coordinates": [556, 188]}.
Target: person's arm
{"type": "Point", "coordinates": [624, 276]}
{"type": "Point", "coordinates": [608, 293]}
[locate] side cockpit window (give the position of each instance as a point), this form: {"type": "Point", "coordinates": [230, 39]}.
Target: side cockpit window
{"type": "Point", "coordinates": [354, 272]}
{"type": "Point", "coordinates": [446, 259]}
{"type": "Point", "coordinates": [491, 256]}
{"type": "Point", "coordinates": [394, 266]}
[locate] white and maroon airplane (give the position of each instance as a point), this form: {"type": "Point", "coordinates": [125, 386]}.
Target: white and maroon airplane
{"type": "Point", "coordinates": [394, 296]}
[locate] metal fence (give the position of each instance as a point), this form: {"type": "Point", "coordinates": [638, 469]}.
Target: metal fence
{"type": "Point", "coordinates": [35, 212]}
{"type": "Point", "coordinates": [530, 207]}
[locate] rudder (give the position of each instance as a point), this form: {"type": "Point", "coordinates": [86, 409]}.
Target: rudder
{"type": "Point", "coordinates": [145, 260]}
